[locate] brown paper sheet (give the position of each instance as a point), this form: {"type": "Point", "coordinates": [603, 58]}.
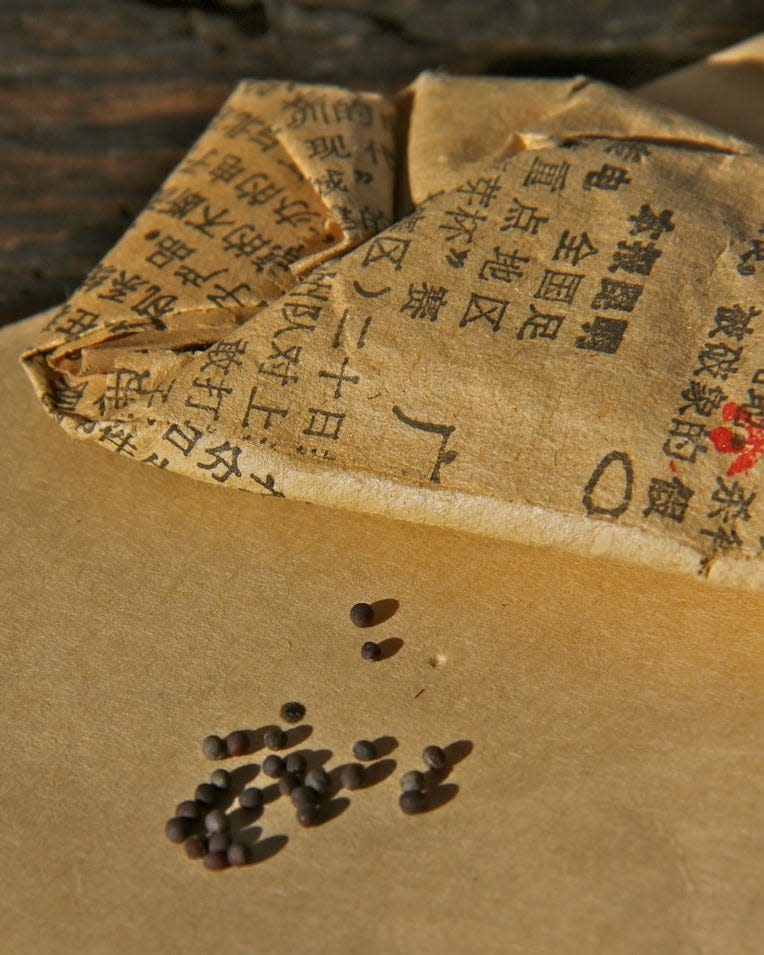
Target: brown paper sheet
{"type": "Point", "coordinates": [612, 801]}
{"type": "Point", "coordinates": [559, 344]}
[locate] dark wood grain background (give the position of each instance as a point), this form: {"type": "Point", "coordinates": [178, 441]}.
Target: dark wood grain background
{"type": "Point", "coordinates": [100, 99]}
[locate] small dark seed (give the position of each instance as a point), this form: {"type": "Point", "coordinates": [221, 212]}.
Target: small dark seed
{"type": "Point", "coordinates": [236, 854]}
{"type": "Point", "coordinates": [178, 829]}
{"type": "Point", "coordinates": [251, 798]}
{"type": "Point", "coordinates": [216, 821]}
{"type": "Point", "coordinates": [362, 615]}
{"type": "Point", "coordinates": [206, 793]}
{"type": "Point", "coordinates": [273, 766]}
{"type": "Point", "coordinates": [295, 763]}
{"type": "Point", "coordinates": [195, 847]}
{"type": "Point", "coordinates": [287, 783]}
{"type": "Point", "coordinates": [221, 779]}
{"type": "Point", "coordinates": [307, 815]}
{"type": "Point", "coordinates": [411, 802]}
{"type": "Point", "coordinates": [213, 747]}
{"type": "Point", "coordinates": [304, 796]}
{"type": "Point", "coordinates": [237, 743]}
{"type": "Point", "coordinates": [189, 808]}
{"type": "Point", "coordinates": [319, 780]}
{"type": "Point", "coordinates": [371, 651]}
{"type": "Point", "coordinates": [351, 776]}
{"type": "Point", "coordinates": [218, 842]}
{"type": "Point", "coordinates": [292, 712]}
{"type": "Point", "coordinates": [364, 750]}
{"type": "Point", "coordinates": [434, 757]}
{"type": "Point", "coordinates": [275, 739]}
{"type": "Point", "coordinates": [216, 860]}
{"type": "Point", "coordinates": [412, 781]}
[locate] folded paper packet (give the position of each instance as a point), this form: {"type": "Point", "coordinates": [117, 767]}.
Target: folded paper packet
{"type": "Point", "coordinates": [529, 309]}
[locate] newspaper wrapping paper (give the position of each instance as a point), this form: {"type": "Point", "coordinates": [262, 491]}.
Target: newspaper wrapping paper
{"type": "Point", "coordinates": [558, 339]}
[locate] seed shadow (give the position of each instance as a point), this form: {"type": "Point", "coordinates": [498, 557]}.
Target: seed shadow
{"type": "Point", "coordinates": [385, 745]}
{"type": "Point", "coordinates": [440, 796]}
{"type": "Point", "coordinates": [297, 735]}
{"type": "Point", "coordinates": [390, 647]}
{"type": "Point", "coordinates": [375, 773]}
{"type": "Point", "coordinates": [265, 849]}
{"type": "Point", "coordinates": [240, 818]}
{"type": "Point", "coordinates": [457, 751]}
{"type": "Point", "coordinates": [271, 793]}
{"type": "Point", "coordinates": [330, 810]}
{"type": "Point", "coordinates": [314, 758]}
{"type": "Point", "coordinates": [384, 609]}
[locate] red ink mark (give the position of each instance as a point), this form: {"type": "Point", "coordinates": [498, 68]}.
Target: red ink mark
{"type": "Point", "coordinates": [672, 467]}
{"type": "Point", "coordinates": [745, 439]}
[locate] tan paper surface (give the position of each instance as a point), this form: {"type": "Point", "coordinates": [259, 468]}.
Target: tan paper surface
{"type": "Point", "coordinates": [561, 344]}
{"type": "Point", "coordinates": [612, 800]}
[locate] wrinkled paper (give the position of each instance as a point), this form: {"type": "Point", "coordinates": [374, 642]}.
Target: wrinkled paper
{"type": "Point", "coordinates": [529, 309]}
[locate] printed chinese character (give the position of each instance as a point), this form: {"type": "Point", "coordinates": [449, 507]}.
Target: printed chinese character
{"type": "Point", "coordinates": [280, 362]}
{"type": "Point", "coordinates": [602, 335]}
{"type": "Point", "coordinates": [96, 277]}
{"type": "Point", "coordinates": [558, 286]}
{"type": "Point", "coordinates": [208, 221]}
{"type": "Point", "coordinates": [620, 296]}
{"type": "Point", "coordinates": [482, 192]}
{"type": "Point", "coordinates": [181, 205]}
{"type": "Point", "coordinates": [540, 325]}
{"type": "Point", "coordinates": [257, 189]}
{"type": "Point", "coordinates": [482, 307]}
{"type": "Point", "coordinates": [294, 212]}
{"type": "Point", "coordinates": [635, 257]}
{"type": "Point", "coordinates": [208, 395]}
{"type": "Point", "coordinates": [748, 259]}
{"type": "Point", "coordinates": [722, 539]}
{"type": "Point", "coordinates": [551, 175]}
{"type": "Point", "coordinates": [340, 378]}
{"type": "Point", "coordinates": [425, 301]}
{"type": "Point", "coordinates": [732, 502]}
{"type": "Point", "coordinates": [655, 224]}
{"type": "Point", "coordinates": [504, 266]}
{"type": "Point", "coordinates": [733, 322]}
{"type": "Point", "coordinates": [462, 224]}
{"type": "Point", "coordinates": [224, 463]}
{"type": "Point", "coordinates": [118, 436]}
{"type": "Point", "coordinates": [227, 168]}
{"type": "Point", "coordinates": [629, 152]}
{"type": "Point", "coordinates": [523, 218]}
{"type": "Point", "coordinates": [184, 441]}
{"type": "Point", "coordinates": [73, 326]}
{"type": "Point", "coordinates": [324, 147]}
{"type": "Point", "coordinates": [685, 440]}
{"type": "Point", "coordinates": [386, 248]}
{"type": "Point", "coordinates": [609, 178]}
{"type": "Point", "coordinates": [154, 305]}
{"type": "Point", "coordinates": [331, 184]}
{"type": "Point", "coordinates": [719, 360]}
{"type": "Point", "coordinates": [324, 424]}
{"type": "Point", "coordinates": [573, 248]}
{"type": "Point", "coordinates": [121, 285]}
{"type": "Point", "coordinates": [668, 499]}
{"type": "Point", "coordinates": [702, 398]}
{"type": "Point", "coordinates": [168, 249]}
{"type": "Point", "coordinates": [224, 356]}
{"type": "Point", "coordinates": [267, 410]}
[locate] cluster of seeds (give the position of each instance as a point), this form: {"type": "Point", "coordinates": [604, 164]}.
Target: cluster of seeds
{"type": "Point", "coordinates": [415, 784]}
{"type": "Point", "coordinates": [362, 615]}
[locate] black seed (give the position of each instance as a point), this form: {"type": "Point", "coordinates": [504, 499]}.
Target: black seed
{"type": "Point", "coordinates": [206, 793]}
{"type": "Point", "coordinates": [364, 750]}
{"type": "Point", "coordinates": [304, 796]}
{"type": "Point", "coordinates": [216, 821]}
{"type": "Point", "coordinates": [251, 798]}
{"type": "Point", "coordinates": [195, 847]}
{"type": "Point", "coordinates": [216, 860]}
{"type": "Point", "coordinates": [371, 651]}
{"type": "Point", "coordinates": [292, 712]}
{"type": "Point", "coordinates": [351, 776]}
{"type": "Point", "coordinates": [178, 829]}
{"type": "Point", "coordinates": [434, 757]}
{"type": "Point", "coordinates": [221, 779]}
{"type": "Point", "coordinates": [288, 782]}
{"type": "Point", "coordinates": [237, 743]}
{"type": "Point", "coordinates": [362, 615]}
{"type": "Point", "coordinates": [295, 763]}
{"type": "Point", "coordinates": [218, 842]}
{"type": "Point", "coordinates": [319, 780]}
{"type": "Point", "coordinates": [213, 747]}
{"type": "Point", "coordinates": [412, 781]}
{"type": "Point", "coordinates": [189, 808]}
{"type": "Point", "coordinates": [273, 766]}
{"type": "Point", "coordinates": [275, 739]}
{"type": "Point", "coordinates": [411, 802]}
{"type": "Point", "coordinates": [307, 815]}
{"type": "Point", "coordinates": [236, 854]}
